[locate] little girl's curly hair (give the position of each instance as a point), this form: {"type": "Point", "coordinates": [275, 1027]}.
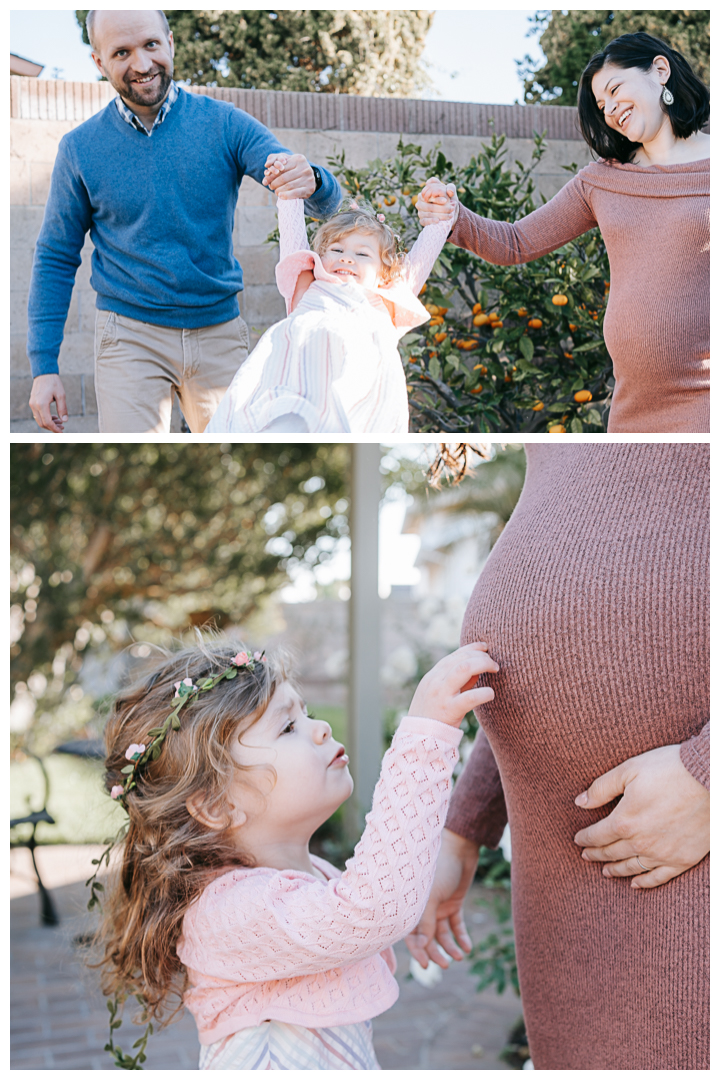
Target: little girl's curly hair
{"type": "Point", "coordinates": [358, 219]}
{"type": "Point", "coordinates": [168, 856]}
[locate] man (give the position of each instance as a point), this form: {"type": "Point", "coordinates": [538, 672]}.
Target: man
{"type": "Point", "coordinates": [154, 177]}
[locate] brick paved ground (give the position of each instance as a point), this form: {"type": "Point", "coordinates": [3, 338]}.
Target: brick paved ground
{"type": "Point", "coordinates": [59, 1018]}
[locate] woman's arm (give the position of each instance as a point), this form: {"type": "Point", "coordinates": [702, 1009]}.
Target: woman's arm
{"type": "Point", "coordinates": [505, 243]}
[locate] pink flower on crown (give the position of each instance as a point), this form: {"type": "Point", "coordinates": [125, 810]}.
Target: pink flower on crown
{"type": "Point", "coordinates": [240, 660]}
{"type": "Point", "coordinates": [259, 656]}
{"type": "Point", "coordinates": [185, 682]}
{"type": "Point", "coordinates": [134, 751]}
{"type": "Point", "coordinates": [117, 791]}
{"type": "Point", "coordinates": [354, 205]}
{"type": "Point", "coordinates": [381, 218]}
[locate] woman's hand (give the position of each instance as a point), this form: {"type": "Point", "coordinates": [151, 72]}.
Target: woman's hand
{"type": "Point", "coordinates": [437, 202]}
{"type": "Point", "coordinates": [441, 929]}
{"type": "Point", "coordinates": [449, 690]}
{"type": "Point", "coordinates": [663, 818]}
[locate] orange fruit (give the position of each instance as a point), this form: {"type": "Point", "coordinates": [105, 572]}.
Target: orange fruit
{"type": "Point", "coordinates": [538, 406]}
{"type": "Point", "coordinates": [432, 354]}
{"type": "Point", "coordinates": [412, 359]}
{"type": "Point", "coordinates": [582, 396]}
{"type": "Point", "coordinates": [569, 355]}
{"type": "Point", "coordinates": [414, 200]}
{"type": "Point", "coordinates": [432, 309]}
{"type": "Point", "coordinates": [508, 378]}
{"type": "Point", "coordinates": [481, 320]}
{"type": "Point", "coordinates": [535, 324]}
{"type": "Point", "coordinates": [390, 201]}
{"type": "Point", "coordinates": [481, 368]}
{"type": "Point", "coordinates": [477, 308]}
{"type": "Point", "coordinates": [437, 320]}
{"type": "Point", "coordinates": [496, 325]}
{"type": "Point", "coordinates": [406, 191]}
{"type": "Point", "coordinates": [556, 429]}
{"type": "Point", "coordinates": [477, 390]}
{"type": "Point", "coordinates": [424, 289]}
{"type": "Point", "coordinates": [522, 312]}
{"type": "Point", "coordinates": [559, 300]}
{"type": "Point", "coordinates": [572, 327]}
{"type": "Point", "coordinates": [439, 338]}
{"type": "Point", "coordinates": [442, 311]}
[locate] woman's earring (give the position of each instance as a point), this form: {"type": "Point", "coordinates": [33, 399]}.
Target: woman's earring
{"type": "Point", "coordinates": [667, 96]}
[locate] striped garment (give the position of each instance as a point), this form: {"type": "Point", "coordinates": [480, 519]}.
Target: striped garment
{"type": "Point", "coordinates": [134, 121]}
{"type": "Point", "coordinates": [275, 1045]}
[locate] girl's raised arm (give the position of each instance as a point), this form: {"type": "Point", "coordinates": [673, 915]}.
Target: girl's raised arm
{"type": "Point", "coordinates": [421, 258]}
{"type": "Point", "coordinates": [256, 926]}
{"type": "Point", "coordinates": [291, 223]}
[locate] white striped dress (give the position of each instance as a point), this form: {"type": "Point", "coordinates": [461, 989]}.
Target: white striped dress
{"type": "Point", "coordinates": [275, 1045]}
{"type": "Point", "coordinates": [334, 360]}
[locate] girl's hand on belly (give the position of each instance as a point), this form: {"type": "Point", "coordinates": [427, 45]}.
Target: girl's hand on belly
{"type": "Point", "coordinates": [450, 690]}
{"type": "Point", "coordinates": [662, 819]}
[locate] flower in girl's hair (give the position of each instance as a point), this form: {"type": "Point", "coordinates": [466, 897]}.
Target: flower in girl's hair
{"type": "Point", "coordinates": [381, 218]}
{"type": "Point", "coordinates": [133, 752]}
{"type": "Point", "coordinates": [241, 659]}
{"type": "Point", "coordinates": [185, 682]}
{"type": "Point", "coordinates": [117, 791]}
{"type": "Point", "coordinates": [259, 656]}
{"type": "Point", "coordinates": [354, 205]}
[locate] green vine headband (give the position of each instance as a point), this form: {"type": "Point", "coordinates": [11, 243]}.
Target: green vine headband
{"type": "Point", "coordinates": [138, 755]}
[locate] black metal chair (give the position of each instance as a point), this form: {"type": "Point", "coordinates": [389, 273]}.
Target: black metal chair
{"type": "Point", "coordinates": [48, 911]}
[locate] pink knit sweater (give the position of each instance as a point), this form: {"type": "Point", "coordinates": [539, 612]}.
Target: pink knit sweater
{"type": "Point", "coordinates": [265, 944]}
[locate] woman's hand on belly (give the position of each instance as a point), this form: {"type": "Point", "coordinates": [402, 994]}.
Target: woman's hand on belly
{"type": "Point", "coordinates": [663, 818]}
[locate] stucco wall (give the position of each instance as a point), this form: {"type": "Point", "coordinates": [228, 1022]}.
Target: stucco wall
{"type": "Point", "coordinates": [42, 113]}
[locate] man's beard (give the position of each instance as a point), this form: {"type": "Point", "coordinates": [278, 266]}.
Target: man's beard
{"type": "Point", "coordinates": [135, 94]}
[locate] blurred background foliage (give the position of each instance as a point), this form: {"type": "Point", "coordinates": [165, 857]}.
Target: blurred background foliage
{"type": "Point", "coordinates": [373, 53]}
{"type": "Point", "coordinates": [570, 38]}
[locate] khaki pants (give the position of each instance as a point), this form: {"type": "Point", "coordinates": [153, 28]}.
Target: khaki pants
{"type": "Point", "coordinates": [138, 366]}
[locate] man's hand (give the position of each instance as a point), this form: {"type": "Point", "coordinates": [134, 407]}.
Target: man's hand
{"type": "Point", "coordinates": [662, 819]}
{"type": "Point", "coordinates": [437, 202]}
{"type": "Point", "coordinates": [442, 928]}
{"type": "Point", "coordinates": [289, 176]}
{"type": "Point", "coordinates": [45, 390]}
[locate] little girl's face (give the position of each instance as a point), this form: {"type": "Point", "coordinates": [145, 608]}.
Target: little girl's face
{"type": "Point", "coordinates": [311, 774]}
{"type": "Point", "coordinates": [355, 257]}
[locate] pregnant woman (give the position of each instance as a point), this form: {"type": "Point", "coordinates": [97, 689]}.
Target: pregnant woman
{"type": "Point", "coordinates": [594, 604]}
{"type": "Point", "coordinates": [641, 109]}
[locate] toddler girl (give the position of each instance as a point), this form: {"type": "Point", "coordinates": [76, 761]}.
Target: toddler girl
{"type": "Point", "coordinates": [333, 363]}
{"type": "Point", "coordinates": [283, 960]}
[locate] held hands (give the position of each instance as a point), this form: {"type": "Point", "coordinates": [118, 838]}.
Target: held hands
{"type": "Point", "coordinates": [45, 390]}
{"type": "Point", "coordinates": [289, 176]}
{"type": "Point", "coordinates": [449, 690]}
{"type": "Point", "coordinates": [663, 818]}
{"type": "Point", "coordinates": [437, 202]}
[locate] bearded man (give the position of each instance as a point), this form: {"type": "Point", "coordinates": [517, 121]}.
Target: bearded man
{"type": "Point", "coordinates": [154, 178]}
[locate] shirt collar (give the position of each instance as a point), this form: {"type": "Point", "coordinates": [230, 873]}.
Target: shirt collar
{"type": "Point", "coordinates": [130, 118]}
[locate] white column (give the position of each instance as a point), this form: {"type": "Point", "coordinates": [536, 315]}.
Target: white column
{"type": "Point", "coordinates": [364, 698]}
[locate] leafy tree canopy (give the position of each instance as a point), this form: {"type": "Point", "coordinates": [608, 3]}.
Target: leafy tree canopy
{"type": "Point", "coordinates": [372, 53]}
{"type": "Point", "coordinates": [129, 541]}
{"type": "Point", "coordinates": [570, 38]}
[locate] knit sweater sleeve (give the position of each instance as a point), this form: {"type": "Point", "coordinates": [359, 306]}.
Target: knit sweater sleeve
{"type": "Point", "coordinates": [68, 216]}
{"type": "Point", "coordinates": [505, 243]}
{"type": "Point", "coordinates": [477, 808]}
{"type": "Point", "coordinates": [695, 756]}
{"type": "Point", "coordinates": [421, 257]}
{"type": "Point", "coordinates": [264, 924]}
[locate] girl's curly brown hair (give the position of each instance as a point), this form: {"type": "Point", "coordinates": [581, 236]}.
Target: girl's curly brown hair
{"type": "Point", "coordinates": [168, 856]}
{"type": "Point", "coordinates": [363, 221]}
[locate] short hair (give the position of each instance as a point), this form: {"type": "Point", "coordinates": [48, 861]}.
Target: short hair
{"type": "Point", "coordinates": [352, 220]}
{"type": "Point", "coordinates": [90, 25]}
{"type": "Point", "coordinates": [689, 112]}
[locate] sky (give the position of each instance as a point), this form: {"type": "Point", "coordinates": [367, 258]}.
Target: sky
{"type": "Point", "coordinates": [471, 54]}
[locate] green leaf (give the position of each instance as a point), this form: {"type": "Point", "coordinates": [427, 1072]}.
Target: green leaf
{"type": "Point", "coordinates": [434, 367]}
{"type": "Point", "coordinates": [127, 769]}
{"type": "Point", "coordinates": [593, 417]}
{"type": "Point", "coordinates": [231, 674]}
{"type": "Point", "coordinates": [576, 425]}
{"type": "Point", "coordinates": [527, 348]}
{"type": "Point", "coordinates": [558, 407]}
{"type": "Point", "coordinates": [587, 347]}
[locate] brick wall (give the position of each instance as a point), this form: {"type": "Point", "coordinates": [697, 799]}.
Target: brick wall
{"type": "Point", "coordinates": [316, 125]}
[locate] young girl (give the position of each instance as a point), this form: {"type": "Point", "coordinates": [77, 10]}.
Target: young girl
{"type": "Point", "coordinates": [283, 960]}
{"type": "Point", "coordinates": [333, 363]}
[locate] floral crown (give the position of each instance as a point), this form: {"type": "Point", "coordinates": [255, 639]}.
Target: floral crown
{"type": "Point", "coordinates": [138, 755]}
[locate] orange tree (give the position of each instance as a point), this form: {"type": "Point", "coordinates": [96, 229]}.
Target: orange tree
{"type": "Point", "coordinates": [507, 348]}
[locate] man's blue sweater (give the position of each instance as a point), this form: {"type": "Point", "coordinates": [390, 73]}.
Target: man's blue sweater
{"type": "Point", "coordinates": [160, 212]}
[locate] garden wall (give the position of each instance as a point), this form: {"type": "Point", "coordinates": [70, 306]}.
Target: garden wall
{"type": "Point", "coordinates": [317, 125]}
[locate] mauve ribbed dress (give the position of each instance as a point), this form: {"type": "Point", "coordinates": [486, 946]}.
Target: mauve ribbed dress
{"type": "Point", "coordinates": [655, 221]}
{"type": "Point", "coordinates": [594, 602]}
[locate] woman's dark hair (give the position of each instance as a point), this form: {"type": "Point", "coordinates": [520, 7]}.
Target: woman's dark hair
{"type": "Point", "coordinates": [688, 113]}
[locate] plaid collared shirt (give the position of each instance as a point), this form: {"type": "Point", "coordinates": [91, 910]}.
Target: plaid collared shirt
{"type": "Point", "coordinates": [130, 118]}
